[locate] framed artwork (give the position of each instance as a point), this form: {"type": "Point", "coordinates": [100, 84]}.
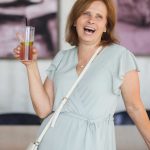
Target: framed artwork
{"type": "Point", "coordinates": [42, 14]}
{"type": "Point", "coordinates": [133, 26]}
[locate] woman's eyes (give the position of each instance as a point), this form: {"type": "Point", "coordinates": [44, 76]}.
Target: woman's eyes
{"type": "Point", "coordinates": [98, 16]}
{"type": "Point", "coordinates": [86, 14]}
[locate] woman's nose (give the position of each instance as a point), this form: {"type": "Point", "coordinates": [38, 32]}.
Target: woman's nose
{"type": "Point", "coordinates": [91, 20]}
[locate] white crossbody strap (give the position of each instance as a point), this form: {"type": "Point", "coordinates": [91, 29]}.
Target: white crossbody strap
{"type": "Point", "coordinates": [55, 115]}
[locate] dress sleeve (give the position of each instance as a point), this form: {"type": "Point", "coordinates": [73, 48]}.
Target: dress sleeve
{"type": "Point", "coordinates": [54, 65]}
{"type": "Point", "coordinates": [127, 62]}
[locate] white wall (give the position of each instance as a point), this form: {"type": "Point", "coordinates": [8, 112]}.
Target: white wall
{"type": "Point", "coordinates": [14, 95]}
{"type": "Point", "coordinates": [65, 6]}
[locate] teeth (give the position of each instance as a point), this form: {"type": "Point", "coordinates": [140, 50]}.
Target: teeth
{"type": "Point", "coordinates": [89, 29]}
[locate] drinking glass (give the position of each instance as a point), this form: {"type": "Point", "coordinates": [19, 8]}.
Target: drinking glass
{"type": "Point", "coordinates": [26, 38]}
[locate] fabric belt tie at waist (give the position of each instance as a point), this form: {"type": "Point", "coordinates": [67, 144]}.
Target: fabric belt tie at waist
{"type": "Point", "coordinates": [90, 122]}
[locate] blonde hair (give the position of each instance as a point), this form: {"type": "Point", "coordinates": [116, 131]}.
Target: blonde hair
{"type": "Point", "coordinates": [78, 8]}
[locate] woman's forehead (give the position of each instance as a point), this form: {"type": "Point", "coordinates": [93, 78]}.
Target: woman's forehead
{"type": "Point", "coordinates": [97, 6]}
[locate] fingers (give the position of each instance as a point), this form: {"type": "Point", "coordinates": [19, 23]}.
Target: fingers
{"type": "Point", "coordinates": [18, 54]}
{"type": "Point", "coordinates": [17, 36]}
{"type": "Point", "coordinates": [17, 51]}
{"type": "Point", "coordinates": [20, 37]}
{"type": "Point", "coordinates": [34, 53]}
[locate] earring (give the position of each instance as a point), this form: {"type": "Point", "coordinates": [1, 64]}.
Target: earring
{"type": "Point", "coordinates": [105, 30]}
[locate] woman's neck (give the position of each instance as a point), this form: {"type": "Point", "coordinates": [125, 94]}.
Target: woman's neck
{"type": "Point", "coordinates": [86, 50]}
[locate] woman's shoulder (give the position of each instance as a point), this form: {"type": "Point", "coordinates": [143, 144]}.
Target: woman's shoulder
{"type": "Point", "coordinates": [118, 53]}
{"type": "Point", "coordinates": [70, 50]}
{"type": "Point", "coordinates": [117, 48]}
{"type": "Point", "coordinates": [60, 54]}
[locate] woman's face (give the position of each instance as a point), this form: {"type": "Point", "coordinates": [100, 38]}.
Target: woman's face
{"type": "Point", "coordinates": [92, 23]}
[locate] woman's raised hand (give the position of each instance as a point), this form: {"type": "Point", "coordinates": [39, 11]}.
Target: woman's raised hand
{"type": "Point", "coordinates": [17, 52]}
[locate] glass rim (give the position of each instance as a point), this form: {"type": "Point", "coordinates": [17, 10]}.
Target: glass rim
{"type": "Point", "coordinates": [31, 27]}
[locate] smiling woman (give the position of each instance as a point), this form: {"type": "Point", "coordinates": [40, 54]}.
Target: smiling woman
{"type": "Point", "coordinates": [92, 23]}
{"type": "Point", "coordinates": [108, 36]}
{"type": "Point", "coordinates": [86, 118]}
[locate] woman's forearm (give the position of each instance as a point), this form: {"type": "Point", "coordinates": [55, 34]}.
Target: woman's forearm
{"type": "Point", "coordinates": [141, 120]}
{"type": "Point", "coordinates": [41, 102]}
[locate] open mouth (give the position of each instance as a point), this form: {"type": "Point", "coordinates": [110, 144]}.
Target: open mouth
{"type": "Point", "coordinates": [89, 30]}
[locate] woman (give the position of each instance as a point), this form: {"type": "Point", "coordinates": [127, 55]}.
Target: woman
{"type": "Point", "coordinates": [86, 121]}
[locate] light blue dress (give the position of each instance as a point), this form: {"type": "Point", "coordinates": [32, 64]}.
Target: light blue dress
{"type": "Point", "coordinates": [86, 121]}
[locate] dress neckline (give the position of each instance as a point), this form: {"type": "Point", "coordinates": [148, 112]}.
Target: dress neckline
{"type": "Point", "coordinates": [76, 59]}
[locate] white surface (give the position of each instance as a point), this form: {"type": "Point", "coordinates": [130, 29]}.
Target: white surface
{"type": "Point", "coordinates": [65, 6]}
{"type": "Point", "coordinates": [14, 93]}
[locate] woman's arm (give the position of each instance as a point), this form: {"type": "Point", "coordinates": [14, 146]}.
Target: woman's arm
{"type": "Point", "coordinates": [131, 95]}
{"type": "Point", "coordinates": [41, 95]}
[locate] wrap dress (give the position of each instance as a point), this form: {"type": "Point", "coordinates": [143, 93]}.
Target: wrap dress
{"type": "Point", "coordinates": [86, 120]}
